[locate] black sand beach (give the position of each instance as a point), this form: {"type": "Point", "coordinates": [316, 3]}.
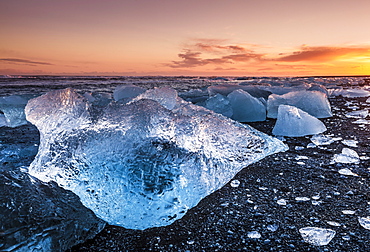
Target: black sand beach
{"type": "Point", "coordinates": [222, 221]}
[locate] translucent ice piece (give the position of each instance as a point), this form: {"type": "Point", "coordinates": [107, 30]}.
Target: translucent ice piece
{"type": "Point", "coordinates": [322, 140]}
{"type": "Point", "coordinates": [364, 222]}
{"type": "Point", "coordinates": [358, 114]}
{"type": "Point", "coordinates": [140, 165]}
{"type": "Point", "coordinates": [194, 95]}
{"type": "Point", "coordinates": [272, 227]}
{"type": "Point", "coordinates": [361, 121]}
{"type": "Point", "coordinates": [347, 156]}
{"type": "Point", "coordinates": [254, 235]}
{"type": "Point", "coordinates": [350, 143]}
{"type": "Point", "coordinates": [347, 172]}
{"type": "Point", "coordinates": [354, 93]}
{"type": "Point", "coordinates": [302, 199]}
{"type": "Point", "coordinates": [13, 110]}
{"type": "Point", "coordinates": [313, 102]}
{"type": "Point", "coordinates": [127, 92]}
{"type": "Point", "coordinates": [219, 104]}
{"type": "Point", "coordinates": [317, 236]}
{"type": "Point", "coordinates": [166, 96]}
{"type": "Point", "coordinates": [246, 108]}
{"type": "Point", "coordinates": [281, 202]}
{"type": "Point", "coordinates": [293, 122]}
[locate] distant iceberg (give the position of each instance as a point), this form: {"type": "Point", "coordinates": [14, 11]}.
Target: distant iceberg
{"type": "Point", "coordinates": [142, 164]}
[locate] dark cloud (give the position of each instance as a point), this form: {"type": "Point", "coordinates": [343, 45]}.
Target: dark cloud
{"type": "Point", "coordinates": [24, 62]}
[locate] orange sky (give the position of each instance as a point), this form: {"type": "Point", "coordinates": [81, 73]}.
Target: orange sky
{"type": "Point", "coordinates": [193, 37]}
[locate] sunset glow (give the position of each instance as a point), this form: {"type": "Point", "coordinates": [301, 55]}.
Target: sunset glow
{"type": "Point", "coordinates": [166, 37]}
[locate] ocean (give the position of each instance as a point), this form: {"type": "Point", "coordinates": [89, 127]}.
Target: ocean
{"type": "Point", "coordinates": [19, 85]}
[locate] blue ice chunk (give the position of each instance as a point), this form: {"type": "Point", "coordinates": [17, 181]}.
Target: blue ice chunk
{"type": "Point", "coordinates": [140, 165]}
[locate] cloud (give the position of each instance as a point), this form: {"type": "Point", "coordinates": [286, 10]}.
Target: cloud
{"type": "Point", "coordinates": [324, 54]}
{"type": "Point", "coordinates": [24, 62]}
{"type": "Point", "coordinates": [208, 52]}
{"type": "Point", "coordinates": [219, 48]}
{"type": "Point", "coordinates": [220, 53]}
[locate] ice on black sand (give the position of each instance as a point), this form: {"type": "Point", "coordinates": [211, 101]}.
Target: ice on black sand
{"type": "Point", "coordinates": [141, 164]}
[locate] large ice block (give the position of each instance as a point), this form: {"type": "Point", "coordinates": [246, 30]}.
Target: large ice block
{"type": "Point", "coordinates": [140, 165]}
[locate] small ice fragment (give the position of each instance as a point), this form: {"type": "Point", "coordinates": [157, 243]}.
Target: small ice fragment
{"type": "Point", "coordinates": [316, 203]}
{"type": "Point", "coordinates": [353, 93]}
{"type": "Point", "coordinates": [235, 183]}
{"type": "Point", "coordinates": [347, 156]}
{"type": "Point", "coordinates": [322, 139]}
{"type": "Point", "coordinates": [301, 163]}
{"type": "Point", "coordinates": [364, 222]}
{"type": "Point", "coordinates": [263, 188]}
{"type": "Point", "coordinates": [282, 202]}
{"type": "Point", "coordinates": [334, 223]}
{"type": "Point", "coordinates": [302, 199]}
{"type": "Point", "coordinates": [316, 197]}
{"type": "Point", "coordinates": [254, 235]}
{"type": "Point", "coordinates": [272, 227]}
{"type": "Point", "coordinates": [346, 237]}
{"type": "Point", "coordinates": [350, 143]}
{"type": "Point", "coordinates": [349, 212]}
{"type": "Point", "coordinates": [346, 171]}
{"type": "Point", "coordinates": [301, 157]}
{"type": "Point", "coordinates": [317, 236]}
{"type": "Point", "coordinates": [358, 114]}
{"type": "Point", "coordinates": [361, 121]}
{"type": "Point", "coordinates": [311, 145]}
{"type": "Point", "coordinates": [299, 148]}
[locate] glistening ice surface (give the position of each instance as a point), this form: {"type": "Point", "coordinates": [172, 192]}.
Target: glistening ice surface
{"type": "Point", "coordinates": [140, 165]}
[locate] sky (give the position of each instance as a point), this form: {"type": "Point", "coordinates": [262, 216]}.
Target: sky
{"type": "Point", "coordinates": [192, 37]}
